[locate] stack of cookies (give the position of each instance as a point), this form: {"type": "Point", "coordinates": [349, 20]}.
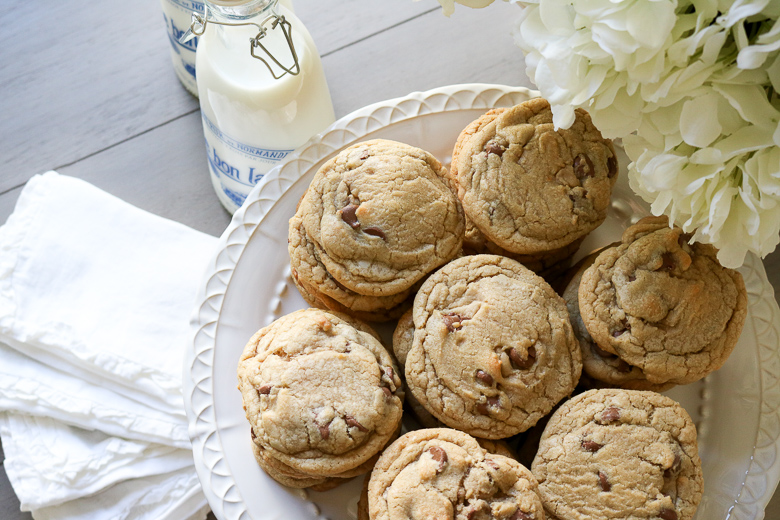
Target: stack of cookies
{"type": "Point", "coordinates": [615, 453]}
{"type": "Point", "coordinates": [322, 397]}
{"type": "Point", "coordinates": [488, 349]}
{"type": "Point", "coordinates": [654, 311]}
{"type": "Point", "coordinates": [376, 219]}
{"type": "Point", "coordinates": [529, 191]}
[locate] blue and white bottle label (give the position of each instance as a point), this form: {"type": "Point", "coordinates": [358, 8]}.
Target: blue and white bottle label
{"type": "Point", "coordinates": [236, 167]}
{"type": "Point", "coordinates": [178, 17]}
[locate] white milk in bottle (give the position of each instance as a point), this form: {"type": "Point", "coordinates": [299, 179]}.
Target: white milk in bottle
{"type": "Point", "coordinates": [178, 17]}
{"type": "Point", "coordinates": [255, 114]}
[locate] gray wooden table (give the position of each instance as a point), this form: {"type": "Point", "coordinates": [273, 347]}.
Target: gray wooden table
{"type": "Point", "coordinates": [95, 96]}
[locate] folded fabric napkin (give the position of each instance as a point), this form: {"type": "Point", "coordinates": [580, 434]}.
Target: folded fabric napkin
{"type": "Point", "coordinates": [29, 387]}
{"type": "Point", "coordinates": [92, 283]}
{"type": "Point", "coordinates": [95, 299]}
{"type": "Point", "coordinates": [50, 463]}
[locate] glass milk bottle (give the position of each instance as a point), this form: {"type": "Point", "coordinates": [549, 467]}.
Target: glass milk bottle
{"type": "Point", "coordinates": [256, 111]}
{"type": "Point", "coordinates": [178, 17]}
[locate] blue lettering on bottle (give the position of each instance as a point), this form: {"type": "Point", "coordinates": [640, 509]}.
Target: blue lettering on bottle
{"type": "Point", "coordinates": [190, 5]}
{"type": "Point", "coordinates": [251, 151]}
{"type": "Point", "coordinates": [224, 167]}
{"type": "Point", "coordinates": [237, 198]}
{"type": "Point", "coordinates": [177, 33]}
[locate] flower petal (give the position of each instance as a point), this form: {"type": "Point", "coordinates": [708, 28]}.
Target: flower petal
{"type": "Point", "coordinates": [699, 124]}
{"type": "Point", "coordinates": [751, 103]}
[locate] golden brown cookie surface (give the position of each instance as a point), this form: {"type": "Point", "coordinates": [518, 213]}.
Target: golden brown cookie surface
{"type": "Point", "coordinates": [322, 397]}
{"type": "Point", "coordinates": [444, 473]}
{"type": "Point", "coordinates": [616, 453]}
{"type": "Point", "coordinates": [381, 216]}
{"type": "Point", "coordinates": [493, 350]}
{"type": "Point", "coordinates": [663, 305]}
{"type": "Point", "coordinates": [599, 367]}
{"type": "Point", "coordinates": [529, 188]}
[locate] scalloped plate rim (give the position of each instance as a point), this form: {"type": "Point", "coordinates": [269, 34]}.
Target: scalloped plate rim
{"type": "Point", "coordinates": [205, 319]}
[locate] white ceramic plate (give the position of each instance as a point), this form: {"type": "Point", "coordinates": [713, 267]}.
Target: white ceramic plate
{"type": "Point", "coordinates": [248, 286]}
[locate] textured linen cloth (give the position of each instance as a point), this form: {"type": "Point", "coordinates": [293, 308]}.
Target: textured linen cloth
{"type": "Point", "coordinates": [92, 283]}
{"type": "Point", "coordinates": [32, 388]}
{"type": "Point", "coordinates": [50, 463]}
{"type": "Point", "coordinates": [95, 299]}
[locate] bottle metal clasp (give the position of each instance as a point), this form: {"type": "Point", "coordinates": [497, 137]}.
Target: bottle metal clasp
{"type": "Point", "coordinates": [198, 27]}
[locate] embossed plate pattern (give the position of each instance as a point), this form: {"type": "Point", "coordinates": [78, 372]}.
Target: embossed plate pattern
{"type": "Point", "coordinates": [247, 286]}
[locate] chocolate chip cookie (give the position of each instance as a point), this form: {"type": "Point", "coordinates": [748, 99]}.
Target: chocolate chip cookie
{"type": "Point", "coordinates": [320, 289]}
{"type": "Point", "coordinates": [322, 397]}
{"type": "Point", "coordinates": [615, 453]}
{"type": "Point", "coordinates": [493, 350]}
{"type": "Point", "coordinates": [529, 188]}
{"type": "Point", "coordinates": [381, 216]}
{"type": "Point", "coordinates": [663, 305]}
{"type": "Point", "coordinates": [443, 473]}
{"type": "Point", "coordinates": [403, 337]}
{"type": "Point", "coordinates": [599, 367]}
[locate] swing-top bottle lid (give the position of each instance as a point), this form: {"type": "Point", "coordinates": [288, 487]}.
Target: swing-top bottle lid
{"type": "Point", "coordinates": [240, 12]}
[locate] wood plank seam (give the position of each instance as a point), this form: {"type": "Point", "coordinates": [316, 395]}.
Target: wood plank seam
{"type": "Point", "coordinates": [369, 36]}
{"type": "Point", "coordinates": [109, 147]}
{"type": "Point", "coordinates": [164, 123]}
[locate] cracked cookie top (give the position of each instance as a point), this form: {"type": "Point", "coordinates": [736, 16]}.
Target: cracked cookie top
{"type": "Point", "coordinates": [616, 453]}
{"type": "Point", "coordinates": [528, 187]}
{"type": "Point", "coordinates": [381, 216]}
{"type": "Point", "coordinates": [321, 394]}
{"type": "Point", "coordinates": [321, 290]}
{"type": "Point", "coordinates": [599, 367]}
{"type": "Point", "coordinates": [443, 473]}
{"type": "Point", "coordinates": [663, 305]}
{"type": "Point", "coordinates": [493, 350]}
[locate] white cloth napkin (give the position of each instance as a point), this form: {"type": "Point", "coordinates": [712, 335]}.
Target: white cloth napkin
{"type": "Point", "coordinates": [50, 463]}
{"type": "Point", "coordinates": [173, 496]}
{"type": "Point", "coordinates": [95, 299]}
{"type": "Point", "coordinates": [29, 387]}
{"type": "Point", "coordinates": [100, 287]}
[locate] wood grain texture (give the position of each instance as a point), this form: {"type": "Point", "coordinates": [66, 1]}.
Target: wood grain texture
{"type": "Point", "coordinates": [100, 101]}
{"type": "Point", "coordinates": [335, 24]}
{"type": "Point", "coordinates": [428, 51]}
{"type": "Point", "coordinates": [163, 171]}
{"type": "Point", "coordinates": [80, 79]}
{"type": "Point", "coordinates": [109, 78]}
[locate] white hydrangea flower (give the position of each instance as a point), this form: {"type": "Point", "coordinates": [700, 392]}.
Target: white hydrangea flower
{"type": "Point", "coordinates": [692, 84]}
{"type": "Point", "coordinates": [685, 83]}
{"type": "Point", "coordinates": [718, 173]}
{"type": "Point", "coordinates": [623, 59]}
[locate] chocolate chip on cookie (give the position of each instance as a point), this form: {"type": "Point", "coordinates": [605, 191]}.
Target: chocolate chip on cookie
{"type": "Point", "coordinates": [492, 349]}
{"type": "Point", "coordinates": [615, 453]}
{"type": "Point", "coordinates": [444, 473]}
